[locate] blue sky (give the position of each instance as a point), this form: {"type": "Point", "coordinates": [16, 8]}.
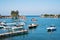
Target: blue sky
{"type": "Point", "coordinates": [30, 7]}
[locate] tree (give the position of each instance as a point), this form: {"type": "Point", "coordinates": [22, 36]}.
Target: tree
{"type": "Point", "coordinates": [46, 15]}
{"type": "Point", "coordinates": [14, 14]}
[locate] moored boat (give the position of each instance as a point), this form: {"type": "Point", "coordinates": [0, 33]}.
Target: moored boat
{"type": "Point", "coordinates": [33, 19]}
{"type": "Point", "coordinates": [22, 23]}
{"type": "Point", "coordinates": [11, 23]}
{"type": "Point", "coordinates": [2, 23]}
{"type": "Point", "coordinates": [32, 25]}
{"type": "Point", "coordinates": [1, 27]}
{"type": "Point", "coordinates": [51, 28]}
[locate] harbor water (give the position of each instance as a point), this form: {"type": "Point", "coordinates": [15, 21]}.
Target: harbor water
{"type": "Point", "coordinates": [38, 33]}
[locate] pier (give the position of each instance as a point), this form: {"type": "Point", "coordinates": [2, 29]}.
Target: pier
{"type": "Point", "coordinates": [8, 34]}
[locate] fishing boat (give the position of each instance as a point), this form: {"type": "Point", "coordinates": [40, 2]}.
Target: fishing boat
{"type": "Point", "coordinates": [32, 25]}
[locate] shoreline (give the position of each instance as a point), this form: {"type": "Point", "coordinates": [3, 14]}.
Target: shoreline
{"type": "Point", "coordinates": [24, 16]}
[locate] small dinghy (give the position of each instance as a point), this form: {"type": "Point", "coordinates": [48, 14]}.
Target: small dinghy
{"type": "Point", "coordinates": [33, 19]}
{"type": "Point", "coordinates": [22, 23]}
{"type": "Point", "coordinates": [51, 28]}
{"type": "Point", "coordinates": [2, 23]}
{"type": "Point", "coordinates": [33, 25]}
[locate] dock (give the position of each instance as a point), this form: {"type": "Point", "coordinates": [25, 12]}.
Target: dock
{"type": "Point", "coordinates": [8, 34]}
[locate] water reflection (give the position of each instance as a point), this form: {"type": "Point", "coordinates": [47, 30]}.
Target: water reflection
{"type": "Point", "coordinates": [50, 31]}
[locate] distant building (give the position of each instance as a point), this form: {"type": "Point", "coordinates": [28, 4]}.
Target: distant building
{"type": "Point", "coordinates": [50, 16]}
{"type": "Point", "coordinates": [14, 14]}
{"type": "Point", "coordinates": [58, 16]}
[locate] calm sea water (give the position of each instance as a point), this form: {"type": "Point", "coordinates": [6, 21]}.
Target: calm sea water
{"type": "Point", "coordinates": [39, 33]}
